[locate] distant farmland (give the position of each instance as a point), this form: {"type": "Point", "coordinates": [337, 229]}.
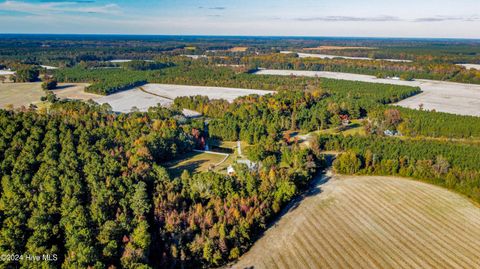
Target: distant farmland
{"type": "Point", "coordinates": [151, 95]}
{"type": "Point", "coordinates": [443, 96]}
{"type": "Point", "coordinates": [373, 222]}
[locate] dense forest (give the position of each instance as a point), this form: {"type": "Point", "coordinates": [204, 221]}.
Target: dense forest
{"type": "Point", "coordinates": [89, 186]}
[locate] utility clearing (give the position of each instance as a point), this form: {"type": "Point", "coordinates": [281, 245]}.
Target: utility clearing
{"type": "Point", "coordinates": [372, 222]}
{"type": "Point", "coordinates": [449, 97]}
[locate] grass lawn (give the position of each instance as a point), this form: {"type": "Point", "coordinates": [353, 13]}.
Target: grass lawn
{"type": "Point", "coordinates": [20, 94]}
{"type": "Point", "coordinates": [194, 162]}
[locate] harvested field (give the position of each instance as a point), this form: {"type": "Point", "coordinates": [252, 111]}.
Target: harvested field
{"type": "Point", "coordinates": [456, 98]}
{"type": "Point", "coordinates": [48, 67]}
{"type": "Point", "coordinates": [328, 56]}
{"type": "Point", "coordinates": [340, 48]}
{"type": "Point", "coordinates": [126, 101]}
{"type": "Point", "coordinates": [74, 91]}
{"type": "Point", "coordinates": [238, 49]}
{"type": "Point", "coordinates": [174, 91]}
{"type": "Point", "coordinates": [20, 94]}
{"type": "Point", "coordinates": [6, 72]}
{"type": "Point", "coordinates": [152, 94]}
{"type": "Point", "coordinates": [372, 222]}
{"type": "Point", "coordinates": [471, 66]}
{"type": "Point", "coordinates": [195, 57]}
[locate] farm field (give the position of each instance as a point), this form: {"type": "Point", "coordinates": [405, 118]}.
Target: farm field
{"type": "Point", "coordinates": [74, 91]}
{"type": "Point", "coordinates": [125, 101]}
{"type": "Point", "coordinates": [450, 97]}
{"type": "Point", "coordinates": [152, 94]}
{"type": "Point", "coordinates": [6, 72]}
{"type": "Point", "coordinates": [20, 94]}
{"type": "Point", "coordinates": [238, 49]}
{"type": "Point", "coordinates": [174, 91]}
{"type": "Point", "coordinates": [340, 48]}
{"type": "Point", "coordinates": [328, 56]}
{"type": "Point", "coordinates": [372, 222]}
{"type": "Point", "coordinates": [471, 66]}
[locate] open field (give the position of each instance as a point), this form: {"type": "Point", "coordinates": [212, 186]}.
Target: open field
{"type": "Point", "coordinates": [339, 48]}
{"type": "Point", "coordinates": [152, 94]}
{"type": "Point", "coordinates": [195, 162]}
{"type": "Point", "coordinates": [6, 72]}
{"type": "Point", "coordinates": [174, 91]}
{"type": "Point", "coordinates": [328, 56]}
{"type": "Point", "coordinates": [48, 67]}
{"type": "Point", "coordinates": [238, 49]}
{"type": "Point", "coordinates": [450, 97]}
{"type": "Point", "coordinates": [20, 94]}
{"type": "Point", "coordinates": [74, 91]}
{"type": "Point", "coordinates": [372, 222]}
{"type": "Point", "coordinates": [125, 101]}
{"type": "Point", "coordinates": [471, 66]}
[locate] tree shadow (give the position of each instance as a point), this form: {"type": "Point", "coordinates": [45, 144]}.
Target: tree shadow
{"type": "Point", "coordinates": [62, 87]}
{"type": "Point", "coordinates": [176, 169]}
{"type": "Point", "coordinates": [349, 127]}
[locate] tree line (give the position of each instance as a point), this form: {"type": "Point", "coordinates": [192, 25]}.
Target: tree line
{"type": "Point", "coordinates": [454, 166]}
{"type": "Point", "coordinates": [411, 122]}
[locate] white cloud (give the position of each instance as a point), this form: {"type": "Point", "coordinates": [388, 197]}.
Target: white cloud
{"type": "Point", "coordinates": [49, 8]}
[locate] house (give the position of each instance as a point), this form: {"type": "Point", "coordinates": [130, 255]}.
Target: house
{"type": "Point", "coordinates": [230, 170]}
{"type": "Point", "coordinates": [391, 133]}
{"type": "Point", "coordinates": [345, 120]}
{"type": "Point", "coordinates": [252, 166]}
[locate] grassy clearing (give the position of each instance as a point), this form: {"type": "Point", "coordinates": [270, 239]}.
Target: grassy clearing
{"type": "Point", "coordinates": [195, 162]}
{"type": "Point", "coordinates": [356, 127]}
{"type": "Point", "coordinates": [202, 162]}
{"type": "Point", "coordinates": [20, 94]}
{"type": "Point", "coordinates": [74, 91]}
{"type": "Point", "coordinates": [238, 49]}
{"type": "Point", "coordinates": [339, 48]}
{"type": "Point", "coordinates": [372, 222]}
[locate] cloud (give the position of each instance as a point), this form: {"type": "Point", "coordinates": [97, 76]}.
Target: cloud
{"type": "Point", "coordinates": [448, 18]}
{"type": "Point", "coordinates": [350, 19]}
{"type": "Point", "coordinates": [213, 8]}
{"type": "Point", "coordinates": [58, 7]}
{"type": "Point", "coordinates": [69, 1]}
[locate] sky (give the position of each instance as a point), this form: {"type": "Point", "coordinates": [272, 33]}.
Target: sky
{"type": "Point", "coordinates": [347, 18]}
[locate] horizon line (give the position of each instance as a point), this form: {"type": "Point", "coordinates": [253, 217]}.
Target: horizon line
{"type": "Point", "coordinates": [255, 36]}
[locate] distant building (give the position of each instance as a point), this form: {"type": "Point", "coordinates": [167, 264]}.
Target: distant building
{"type": "Point", "coordinates": [391, 133]}
{"type": "Point", "coordinates": [230, 170]}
